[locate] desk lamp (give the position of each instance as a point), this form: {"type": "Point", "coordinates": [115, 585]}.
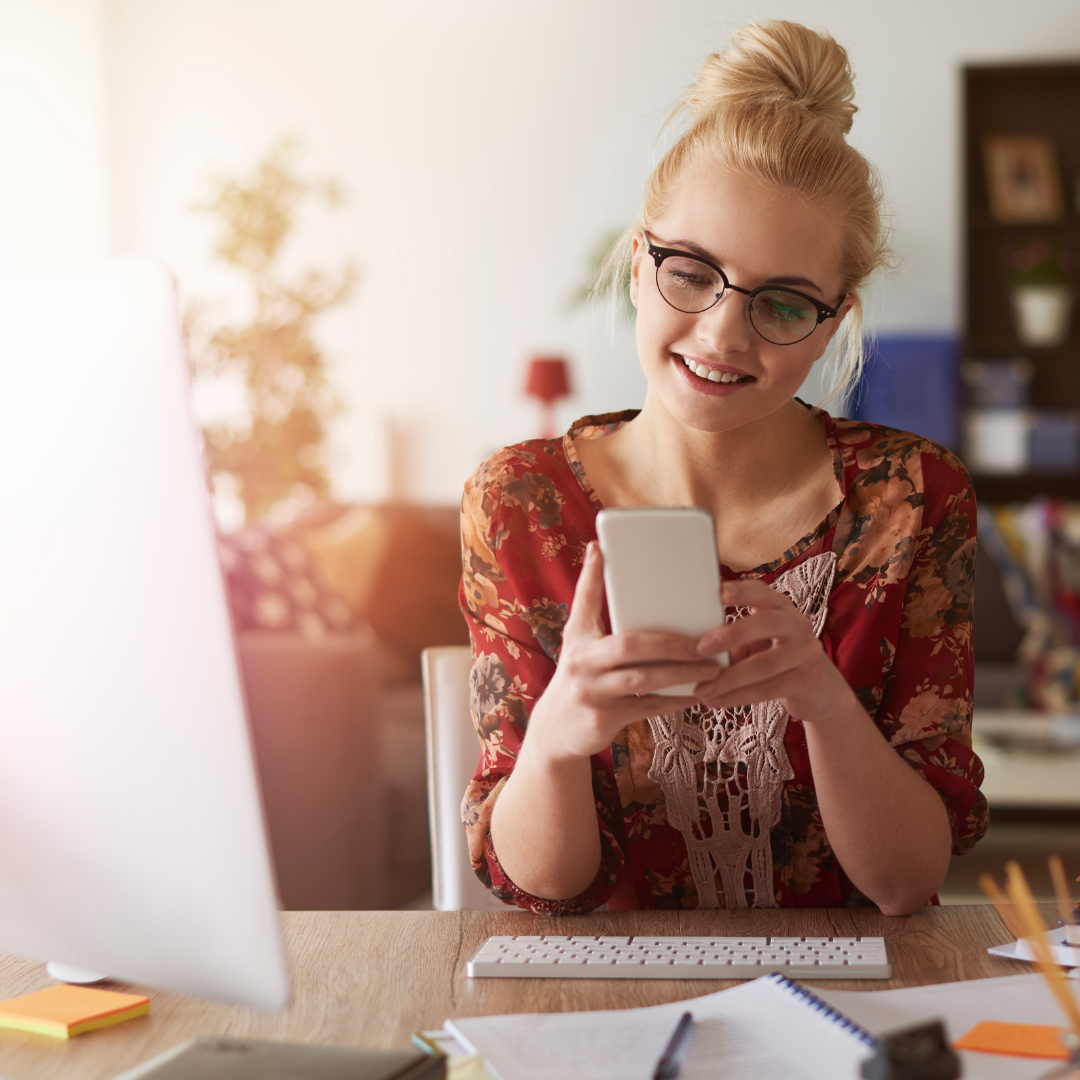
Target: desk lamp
{"type": "Point", "coordinates": [548, 380]}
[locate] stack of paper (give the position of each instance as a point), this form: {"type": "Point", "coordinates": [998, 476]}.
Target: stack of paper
{"type": "Point", "coordinates": [760, 1029]}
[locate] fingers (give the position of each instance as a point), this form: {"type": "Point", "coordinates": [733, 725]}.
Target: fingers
{"type": "Point", "coordinates": [587, 609]}
{"type": "Point", "coordinates": [630, 709]}
{"type": "Point", "coordinates": [764, 626]}
{"type": "Point", "coordinates": [644, 646]}
{"type": "Point", "coordinates": [761, 677]}
{"type": "Point", "coordinates": [755, 595]}
{"type": "Point", "coordinates": [647, 679]}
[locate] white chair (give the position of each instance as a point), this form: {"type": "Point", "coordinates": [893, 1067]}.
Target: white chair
{"type": "Point", "coordinates": [452, 754]}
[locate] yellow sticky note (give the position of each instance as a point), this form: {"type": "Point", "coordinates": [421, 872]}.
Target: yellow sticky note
{"type": "Point", "coordinates": [1020, 1040]}
{"type": "Point", "coordinates": [63, 1011]}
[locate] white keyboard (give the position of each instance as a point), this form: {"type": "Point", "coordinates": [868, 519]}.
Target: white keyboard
{"type": "Point", "coordinates": [681, 958]}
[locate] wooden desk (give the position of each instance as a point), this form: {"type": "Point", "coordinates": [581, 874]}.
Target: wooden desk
{"type": "Point", "coordinates": [372, 978]}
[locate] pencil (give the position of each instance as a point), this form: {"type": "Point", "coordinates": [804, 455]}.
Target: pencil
{"type": "Point", "coordinates": [1021, 896]}
{"type": "Point", "coordinates": [1003, 906]}
{"type": "Point", "coordinates": [1064, 900]}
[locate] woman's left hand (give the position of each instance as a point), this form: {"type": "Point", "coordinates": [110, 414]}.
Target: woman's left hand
{"type": "Point", "coordinates": [775, 655]}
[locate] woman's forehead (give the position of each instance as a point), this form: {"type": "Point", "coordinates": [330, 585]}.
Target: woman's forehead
{"type": "Point", "coordinates": [752, 228]}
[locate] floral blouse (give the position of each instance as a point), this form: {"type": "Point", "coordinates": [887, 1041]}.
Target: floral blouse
{"type": "Point", "coordinates": [714, 808]}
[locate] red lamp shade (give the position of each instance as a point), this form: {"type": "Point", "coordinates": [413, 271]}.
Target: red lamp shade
{"type": "Point", "coordinates": [548, 378]}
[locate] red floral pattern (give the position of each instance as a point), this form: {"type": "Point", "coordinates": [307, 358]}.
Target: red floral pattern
{"type": "Point", "coordinates": [899, 627]}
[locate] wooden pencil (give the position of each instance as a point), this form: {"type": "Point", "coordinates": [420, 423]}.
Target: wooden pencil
{"type": "Point", "coordinates": [1064, 899]}
{"type": "Point", "coordinates": [1003, 906]}
{"type": "Point", "coordinates": [1021, 896]}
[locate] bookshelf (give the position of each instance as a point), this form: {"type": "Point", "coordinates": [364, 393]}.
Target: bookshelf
{"type": "Point", "coordinates": [1027, 99]}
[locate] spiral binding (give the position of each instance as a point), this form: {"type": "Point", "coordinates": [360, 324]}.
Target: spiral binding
{"type": "Point", "coordinates": [823, 1007]}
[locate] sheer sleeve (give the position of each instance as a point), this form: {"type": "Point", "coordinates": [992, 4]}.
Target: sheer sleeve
{"type": "Point", "coordinates": [926, 709]}
{"type": "Point", "coordinates": [517, 582]}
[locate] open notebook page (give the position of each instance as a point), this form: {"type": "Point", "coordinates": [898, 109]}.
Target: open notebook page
{"type": "Point", "coordinates": [750, 1032]}
{"type": "Point", "coordinates": [1022, 999]}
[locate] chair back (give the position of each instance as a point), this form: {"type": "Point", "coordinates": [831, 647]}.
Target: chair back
{"type": "Point", "coordinates": [452, 754]}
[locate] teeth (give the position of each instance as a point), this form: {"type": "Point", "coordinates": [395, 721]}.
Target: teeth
{"type": "Point", "coordinates": [711, 374]}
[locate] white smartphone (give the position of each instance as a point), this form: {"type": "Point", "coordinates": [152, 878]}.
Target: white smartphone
{"type": "Point", "coordinates": [661, 572]}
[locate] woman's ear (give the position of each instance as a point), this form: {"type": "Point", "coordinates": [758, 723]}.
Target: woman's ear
{"type": "Point", "coordinates": [636, 252]}
{"type": "Point", "coordinates": [833, 325]}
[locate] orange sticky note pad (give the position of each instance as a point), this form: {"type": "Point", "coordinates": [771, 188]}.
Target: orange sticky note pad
{"type": "Point", "coordinates": [1020, 1040]}
{"type": "Point", "coordinates": [63, 1011]}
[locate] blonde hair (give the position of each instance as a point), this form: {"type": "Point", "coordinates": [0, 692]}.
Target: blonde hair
{"type": "Point", "coordinates": [776, 105]}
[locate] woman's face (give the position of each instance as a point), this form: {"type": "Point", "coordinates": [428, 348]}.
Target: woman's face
{"type": "Point", "coordinates": [757, 236]}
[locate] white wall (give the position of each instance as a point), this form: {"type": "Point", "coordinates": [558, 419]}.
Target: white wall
{"type": "Point", "coordinates": [52, 134]}
{"type": "Point", "coordinates": [487, 145]}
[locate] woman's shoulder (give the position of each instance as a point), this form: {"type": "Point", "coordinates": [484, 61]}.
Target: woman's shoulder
{"type": "Point", "coordinates": [875, 458]}
{"type": "Point", "coordinates": [532, 472]}
{"type": "Point", "coordinates": [540, 473]}
{"type": "Point", "coordinates": [904, 495]}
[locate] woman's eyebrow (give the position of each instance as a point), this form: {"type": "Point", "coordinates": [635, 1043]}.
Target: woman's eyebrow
{"type": "Point", "coordinates": [804, 282]}
{"type": "Point", "coordinates": [697, 249]}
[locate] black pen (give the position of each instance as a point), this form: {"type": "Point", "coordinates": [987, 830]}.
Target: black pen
{"type": "Point", "coordinates": [670, 1060]}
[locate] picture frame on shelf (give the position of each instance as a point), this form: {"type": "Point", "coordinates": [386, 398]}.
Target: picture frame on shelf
{"type": "Point", "coordinates": [1023, 179]}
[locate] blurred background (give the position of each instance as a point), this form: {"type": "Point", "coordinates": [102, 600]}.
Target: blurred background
{"type": "Point", "coordinates": [378, 215]}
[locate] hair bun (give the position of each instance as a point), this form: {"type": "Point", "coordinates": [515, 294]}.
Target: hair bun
{"type": "Point", "coordinates": [777, 63]}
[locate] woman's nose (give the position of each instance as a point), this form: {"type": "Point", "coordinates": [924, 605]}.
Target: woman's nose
{"type": "Point", "coordinates": [725, 327]}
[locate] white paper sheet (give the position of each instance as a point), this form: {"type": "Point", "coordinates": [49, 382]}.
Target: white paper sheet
{"type": "Point", "coordinates": [750, 1032]}
{"type": "Point", "coordinates": [754, 1031]}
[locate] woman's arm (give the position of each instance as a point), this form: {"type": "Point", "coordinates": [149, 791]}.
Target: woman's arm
{"type": "Point", "coordinates": [888, 826]}
{"type": "Point", "coordinates": [544, 825]}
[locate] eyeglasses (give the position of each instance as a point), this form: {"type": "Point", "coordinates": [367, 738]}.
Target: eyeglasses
{"type": "Point", "coordinates": [692, 285]}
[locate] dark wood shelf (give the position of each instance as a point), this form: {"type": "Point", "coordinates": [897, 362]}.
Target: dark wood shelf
{"type": "Point", "coordinates": [1003, 489]}
{"type": "Point", "coordinates": [1019, 99]}
{"type": "Point", "coordinates": [981, 221]}
{"type": "Point", "coordinates": [1005, 346]}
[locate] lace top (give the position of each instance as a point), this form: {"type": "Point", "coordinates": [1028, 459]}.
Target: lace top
{"type": "Point", "coordinates": [715, 808]}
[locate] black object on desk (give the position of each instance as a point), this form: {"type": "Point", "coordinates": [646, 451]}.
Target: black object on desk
{"type": "Point", "coordinates": [915, 1053]}
{"type": "Point", "coordinates": [671, 1059]}
{"type": "Point", "coordinates": [253, 1059]}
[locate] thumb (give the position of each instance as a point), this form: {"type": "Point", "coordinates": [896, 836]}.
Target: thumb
{"type": "Point", "coordinates": [587, 609]}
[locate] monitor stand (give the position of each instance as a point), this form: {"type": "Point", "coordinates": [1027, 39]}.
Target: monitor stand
{"type": "Point", "coordinates": [69, 974]}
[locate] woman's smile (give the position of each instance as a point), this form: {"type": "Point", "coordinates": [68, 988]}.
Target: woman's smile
{"type": "Point", "coordinates": [718, 380]}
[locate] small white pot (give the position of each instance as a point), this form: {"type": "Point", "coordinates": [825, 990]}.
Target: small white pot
{"type": "Point", "coordinates": [996, 440]}
{"type": "Point", "coordinates": [1042, 314]}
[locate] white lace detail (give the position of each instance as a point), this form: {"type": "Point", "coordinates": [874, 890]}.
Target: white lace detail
{"type": "Point", "coordinates": [745, 746]}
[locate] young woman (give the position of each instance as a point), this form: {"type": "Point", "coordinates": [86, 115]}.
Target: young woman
{"type": "Point", "coordinates": [831, 763]}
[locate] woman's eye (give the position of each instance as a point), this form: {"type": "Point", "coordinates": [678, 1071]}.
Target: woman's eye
{"type": "Point", "coordinates": [689, 279]}
{"type": "Point", "coordinates": [792, 312]}
{"type": "Point", "coordinates": [681, 276]}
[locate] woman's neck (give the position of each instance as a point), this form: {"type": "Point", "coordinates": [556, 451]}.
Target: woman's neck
{"type": "Point", "coordinates": [766, 484]}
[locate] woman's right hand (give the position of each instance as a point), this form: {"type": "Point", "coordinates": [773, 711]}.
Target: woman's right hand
{"type": "Point", "coordinates": [605, 681]}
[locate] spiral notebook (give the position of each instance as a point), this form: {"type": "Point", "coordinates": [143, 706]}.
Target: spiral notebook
{"type": "Point", "coordinates": [770, 1027]}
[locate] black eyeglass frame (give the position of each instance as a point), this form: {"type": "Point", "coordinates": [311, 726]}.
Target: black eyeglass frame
{"type": "Point", "coordinates": [659, 254]}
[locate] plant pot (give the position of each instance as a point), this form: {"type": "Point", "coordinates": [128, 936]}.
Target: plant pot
{"type": "Point", "coordinates": [1042, 314]}
{"type": "Point", "coordinates": [996, 441]}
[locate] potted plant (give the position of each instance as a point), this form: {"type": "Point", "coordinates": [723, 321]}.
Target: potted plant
{"type": "Point", "coordinates": [1040, 277]}
{"type": "Point", "coordinates": [278, 456]}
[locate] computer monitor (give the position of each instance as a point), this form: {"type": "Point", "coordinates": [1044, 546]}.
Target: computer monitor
{"type": "Point", "coordinates": [132, 839]}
